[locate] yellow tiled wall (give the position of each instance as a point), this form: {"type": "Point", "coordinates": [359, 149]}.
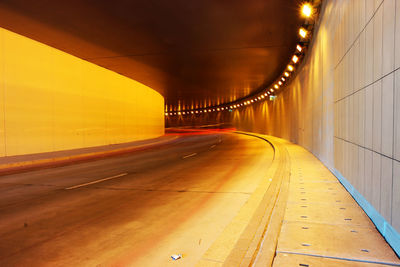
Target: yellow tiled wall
{"type": "Point", "coordinates": [52, 101]}
{"type": "Point", "coordinates": [344, 103]}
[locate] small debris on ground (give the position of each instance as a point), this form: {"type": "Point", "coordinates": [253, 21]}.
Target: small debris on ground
{"type": "Point", "coordinates": [176, 256]}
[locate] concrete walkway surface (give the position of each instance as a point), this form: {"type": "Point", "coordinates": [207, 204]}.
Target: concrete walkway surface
{"type": "Point", "coordinates": [311, 220]}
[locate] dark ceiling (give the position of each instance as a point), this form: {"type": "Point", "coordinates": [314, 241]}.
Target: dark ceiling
{"type": "Point", "coordinates": [194, 52]}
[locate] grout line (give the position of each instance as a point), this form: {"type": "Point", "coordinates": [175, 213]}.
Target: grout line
{"type": "Point", "coordinates": [364, 87]}
{"type": "Point", "coordinates": [394, 110]}
{"type": "Point", "coordinates": [366, 148]}
{"type": "Point", "coordinates": [338, 258]}
{"type": "Point", "coordinates": [358, 35]}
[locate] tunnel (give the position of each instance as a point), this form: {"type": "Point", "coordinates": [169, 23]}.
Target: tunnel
{"type": "Point", "coordinates": [200, 133]}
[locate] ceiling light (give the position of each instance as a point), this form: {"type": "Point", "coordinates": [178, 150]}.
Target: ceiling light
{"type": "Point", "coordinates": [283, 79]}
{"type": "Point", "coordinates": [280, 83]}
{"type": "Point", "coordinates": [295, 59]}
{"type": "Point", "coordinates": [298, 47]}
{"type": "Point", "coordinates": [290, 67]}
{"type": "Point", "coordinates": [306, 10]}
{"type": "Point", "coordinates": [286, 74]}
{"type": "Point", "coordinates": [303, 32]}
{"type": "Point", "coordinates": [276, 87]}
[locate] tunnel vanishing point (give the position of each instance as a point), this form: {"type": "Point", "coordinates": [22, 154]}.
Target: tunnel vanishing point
{"type": "Point", "coordinates": [200, 133]}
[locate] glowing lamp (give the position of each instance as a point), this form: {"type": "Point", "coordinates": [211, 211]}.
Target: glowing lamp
{"type": "Point", "coordinates": [302, 32]}
{"type": "Point", "coordinates": [306, 10]}
{"type": "Point", "coordinates": [298, 47]}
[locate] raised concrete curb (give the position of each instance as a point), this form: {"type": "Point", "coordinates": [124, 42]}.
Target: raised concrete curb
{"type": "Point", "coordinates": [239, 243]}
{"type": "Point", "coordinates": [53, 161]}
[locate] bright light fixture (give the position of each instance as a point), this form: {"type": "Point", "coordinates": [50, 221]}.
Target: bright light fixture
{"type": "Point", "coordinates": [276, 87]}
{"type": "Point", "coordinates": [295, 59]}
{"type": "Point", "coordinates": [280, 83]}
{"type": "Point", "coordinates": [290, 67]}
{"type": "Point", "coordinates": [286, 74]}
{"type": "Point", "coordinates": [298, 47]}
{"type": "Point", "coordinates": [303, 32]}
{"type": "Point", "coordinates": [306, 10]}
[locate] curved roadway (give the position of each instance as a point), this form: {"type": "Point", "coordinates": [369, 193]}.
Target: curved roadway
{"type": "Point", "coordinates": [134, 210]}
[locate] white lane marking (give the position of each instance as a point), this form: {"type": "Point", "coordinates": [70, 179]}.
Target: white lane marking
{"type": "Point", "coordinates": [191, 155]}
{"type": "Point", "coordinates": [213, 146]}
{"type": "Point", "coordinates": [97, 181]}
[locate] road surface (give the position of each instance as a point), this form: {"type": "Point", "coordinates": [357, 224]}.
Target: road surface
{"type": "Point", "coordinates": [131, 210]}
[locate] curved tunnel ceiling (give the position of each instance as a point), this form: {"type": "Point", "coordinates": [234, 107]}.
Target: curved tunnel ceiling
{"type": "Point", "coordinates": [195, 53]}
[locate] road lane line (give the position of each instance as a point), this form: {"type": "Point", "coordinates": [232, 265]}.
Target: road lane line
{"type": "Point", "coordinates": [190, 155]}
{"type": "Point", "coordinates": [97, 181]}
{"type": "Point", "coordinates": [213, 146]}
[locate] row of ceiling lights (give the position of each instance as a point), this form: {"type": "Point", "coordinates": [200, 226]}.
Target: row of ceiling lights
{"type": "Point", "coordinates": [307, 11]}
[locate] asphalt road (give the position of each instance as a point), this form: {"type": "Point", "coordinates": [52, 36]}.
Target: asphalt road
{"type": "Point", "coordinates": [131, 210]}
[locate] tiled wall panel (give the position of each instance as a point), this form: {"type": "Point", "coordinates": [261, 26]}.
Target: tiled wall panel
{"type": "Point", "coordinates": [359, 44]}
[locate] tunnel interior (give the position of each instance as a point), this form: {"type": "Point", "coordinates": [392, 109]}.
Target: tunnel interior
{"type": "Point", "coordinates": [313, 83]}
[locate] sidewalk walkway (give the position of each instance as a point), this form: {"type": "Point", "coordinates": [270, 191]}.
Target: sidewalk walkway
{"type": "Point", "coordinates": [312, 221]}
{"type": "Point", "coordinates": [323, 225]}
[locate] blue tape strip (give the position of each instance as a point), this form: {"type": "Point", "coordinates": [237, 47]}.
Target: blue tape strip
{"type": "Point", "coordinates": [383, 226]}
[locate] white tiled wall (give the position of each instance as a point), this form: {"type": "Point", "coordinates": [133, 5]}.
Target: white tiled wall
{"type": "Point", "coordinates": [369, 119]}
{"type": "Point", "coordinates": [344, 103]}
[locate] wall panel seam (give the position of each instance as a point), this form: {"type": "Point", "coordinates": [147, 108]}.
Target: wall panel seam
{"type": "Point", "coordinates": [364, 87]}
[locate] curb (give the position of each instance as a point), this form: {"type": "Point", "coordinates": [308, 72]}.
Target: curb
{"type": "Point", "coordinates": [241, 241]}
{"type": "Point", "coordinates": [10, 168]}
